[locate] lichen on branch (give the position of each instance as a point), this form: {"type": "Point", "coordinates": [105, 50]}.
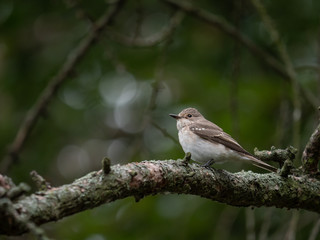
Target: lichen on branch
{"type": "Point", "coordinates": [155, 177]}
{"type": "Point", "coordinates": [311, 153]}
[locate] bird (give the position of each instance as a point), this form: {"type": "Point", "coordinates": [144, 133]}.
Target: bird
{"type": "Point", "coordinates": [208, 143]}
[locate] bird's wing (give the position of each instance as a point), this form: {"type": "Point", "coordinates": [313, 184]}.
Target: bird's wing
{"type": "Point", "coordinates": [216, 135]}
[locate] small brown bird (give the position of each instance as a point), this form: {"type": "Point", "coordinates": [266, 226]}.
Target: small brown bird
{"type": "Point", "coordinates": [208, 143]}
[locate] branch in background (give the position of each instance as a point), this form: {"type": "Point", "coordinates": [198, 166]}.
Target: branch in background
{"type": "Point", "coordinates": [250, 224]}
{"type": "Point", "coordinates": [266, 222]}
{"type": "Point", "coordinates": [79, 11]}
{"type": "Point", "coordinates": [315, 231]}
{"type": "Point", "coordinates": [165, 132]}
{"type": "Point", "coordinates": [46, 96]}
{"type": "Point", "coordinates": [311, 153]}
{"type": "Point", "coordinates": [154, 177]}
{"type": "Point", "coordinates": [164, 36]}
{"type": "Point", "coordinates": [284, 55]}
{"type": "Point", "coordinates": [227, 28]}
{"type": "Point", "coordinates": [235, 70]}
{"type": "Point", "coordinates": [139, 19]}
{"type": "Point", "coordinates": [291, 232]}
{"type": "Point", "coordinates": [230, 30]}
{"type": "Point", "coordinates": [150, 41]}
{"type": "Point", "coordinates": [159, 74]}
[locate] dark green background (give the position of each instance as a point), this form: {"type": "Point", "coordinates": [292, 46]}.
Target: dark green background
{"type": "Point", "coordinates": [102, 109]}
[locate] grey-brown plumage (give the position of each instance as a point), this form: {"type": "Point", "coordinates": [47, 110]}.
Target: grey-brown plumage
{"type": "Point", "coordinates": [208, 143]}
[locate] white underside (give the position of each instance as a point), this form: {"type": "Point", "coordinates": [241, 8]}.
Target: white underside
{"type": "Point", "coordinates": [203, 151]}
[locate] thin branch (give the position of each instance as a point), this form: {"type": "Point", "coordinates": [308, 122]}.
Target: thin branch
{"type": "Point", "coordinates": [159, 74]}
{"type": "Point", "coordinates": [227, 28]}
{"type": "Point", "coordinates": [79, 11]}
{"type": "Point", "coordinates": [48, 93]}
{"type": "Point", "coordinates": [235, 71]}
{"type": "Point", "coordinates": [155, 177]}
{"type": "Point", "coordinates": [140, 15]}
{"type": "Point", "coordinates": [315, 231]}
{"type": "Point", "coordinates": [284, 55]}
{"type": "Point", "coordinates": [150, 41]}
{"type": "Point", "coordinates": [311, 153]}
{"type": "Point", "coordinates": [41, 183]}
{"type": "Point", "coordinates": [165, 132]}
{"type": "Point", "coordinates": [263, 234]}
{"type": "Point", "coordinates": [276, 155]}
{"type": "Point", "coordinates": [250, 224]}
{"type": "Point", "coordinates": [225, 222]}
{"type": "Point", "coordinates": [291, 233]}
{"type": "Point", "coordinates": [230, 30]}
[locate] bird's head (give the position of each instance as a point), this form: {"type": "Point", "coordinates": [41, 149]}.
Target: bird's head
{"type": "Point", "coordinates": [186, 117]}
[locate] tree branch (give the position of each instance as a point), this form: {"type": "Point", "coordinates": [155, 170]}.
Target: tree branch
{"type": "Point", "coordinates": [154, 177]}
{"type": "Point", "coordinates": [46, 96]}
{"type": "Point", "coordinates": [227, 28]}
{"type": "Point", "coordinates": [311, 153]}
{"type": "Point", "coordinates": [136, 41]}
{"type": "Point", "coordinates": [152, 40]}
{"type": "Point", "coordinates": [230, 30]}
{"type": "Point", "coordinates": [284, 55]}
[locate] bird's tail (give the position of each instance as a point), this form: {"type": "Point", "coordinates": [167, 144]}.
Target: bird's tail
{"type": "Point", "coordinates": [262, 164]}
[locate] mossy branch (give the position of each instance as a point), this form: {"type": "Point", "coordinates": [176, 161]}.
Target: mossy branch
{"type": "Point", "coordinates": [156, 177]}
{"type": "Point", "coordinates": [66, 70]}
{"type": "Point", "coordinates": [311, 153]}
{"type": "Point", "coordinates": [276, 155]}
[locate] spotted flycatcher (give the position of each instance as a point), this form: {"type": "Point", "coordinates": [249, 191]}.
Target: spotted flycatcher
{"type": "Point", "coordinates": [208, 143]}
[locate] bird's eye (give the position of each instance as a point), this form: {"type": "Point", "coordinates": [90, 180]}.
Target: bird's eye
{"type": "Point", "coordinates": [189, 115]}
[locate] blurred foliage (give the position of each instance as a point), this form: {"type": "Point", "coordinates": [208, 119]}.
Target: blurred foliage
{"type": "Point", "coordinates": [103, 109]}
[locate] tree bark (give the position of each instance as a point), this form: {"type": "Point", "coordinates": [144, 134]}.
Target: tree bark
{"type": "Point", "coordinates": [154, 177]}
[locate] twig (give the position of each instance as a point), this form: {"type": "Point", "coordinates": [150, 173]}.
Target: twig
{"type": "Point", "coordinates": [165, 133]}
{"type": "Point", "coordinates": [311, 153]}
{"type": "Point", "coordinates": [150, 41]}
{"type": "Point", "coordinates": [225, 223]}
{"type": "Point", "coordinates": [235, 71]}
{"type": "Point", "coordinates": [276, 155]}
{"type": "Point", "coordinates": [113, 58]}
{"type": "Point", "coordinates": [315, 231]}
{"type": "Point", "coordinates": [46, 96]}
{"type": "Point", "coordinates": [40, 182]}
{"type": "Point", "coordinates": [230, 30]}
{"type": "Point", "coordinates": [250, 224]}
{"type": "Point", "coordinates": [227, 28]}
{"type": "Point", "coordinates": [9, 190]}
{"type": "Point", "coordinates": [263, 235]}
{"type": "Point", "coordinates": [106, 165]}
{"type": "Point", "coordinates": [79, 11]}
{"type": "Point", "coordinates": [139, 19]}
{"type": "Point", "coordinates": [159, 71]}
{"type": "Point", "coordinates": [275, 36]}
{"type": "Point", "coordinates": [290, 235]}
{"type": "Point", "coordinates": [286, 168]}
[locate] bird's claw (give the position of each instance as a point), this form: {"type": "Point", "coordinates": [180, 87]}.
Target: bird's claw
{"type": "Point", "coordinates": [187, 158]}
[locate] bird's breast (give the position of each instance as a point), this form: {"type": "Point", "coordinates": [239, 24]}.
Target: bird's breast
{"type": "Point", "coordinates": [203, 150]}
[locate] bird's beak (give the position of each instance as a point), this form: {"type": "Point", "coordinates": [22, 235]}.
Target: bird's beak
{"type": "Point", "coordinates": [174, 116]}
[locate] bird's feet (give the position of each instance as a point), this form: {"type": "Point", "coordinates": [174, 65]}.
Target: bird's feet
{"type": "Point", "coordinates": [208, 164]}
{"type": "Point", "coordinates": [186, 158]}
